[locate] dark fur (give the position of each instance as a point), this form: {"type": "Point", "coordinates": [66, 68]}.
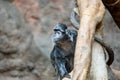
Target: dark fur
{"type": "Point", "coordinates": [62, 55]}
{"type": "Point", "coordinates": [63, 52]}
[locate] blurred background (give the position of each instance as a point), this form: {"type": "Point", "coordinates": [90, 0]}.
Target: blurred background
{"type": "Point", "coordinates": [26, 27]}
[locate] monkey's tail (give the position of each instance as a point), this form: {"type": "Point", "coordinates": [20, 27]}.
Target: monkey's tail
{"type": "Point", "coordinates": [111, 56]}
{"type": "Point", "coordinates": [73, 20]}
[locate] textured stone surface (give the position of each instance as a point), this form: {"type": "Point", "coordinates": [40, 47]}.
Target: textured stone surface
{"type": "Point", "coordinates": [17, 49]}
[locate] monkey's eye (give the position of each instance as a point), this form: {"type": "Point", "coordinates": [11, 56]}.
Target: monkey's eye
{"type": "Point", "coordinates": [59, 32]}
{"type": "Point", "coordinates": [63, 32]}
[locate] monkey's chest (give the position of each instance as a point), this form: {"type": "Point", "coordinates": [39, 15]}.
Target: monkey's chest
{"type": "Point", "coordinates": [68, 49]}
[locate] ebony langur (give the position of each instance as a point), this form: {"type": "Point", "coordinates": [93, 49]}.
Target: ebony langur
{"type": "Point", "coordinates": [63, 52]}
{"type": "Point", "coordinates": [62, 55]}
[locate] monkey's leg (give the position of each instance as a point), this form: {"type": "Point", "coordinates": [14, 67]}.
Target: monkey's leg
{"type": "Point", "coordinates": [59, 64]}
{"type": "Point", "coordinates": [61, 68]}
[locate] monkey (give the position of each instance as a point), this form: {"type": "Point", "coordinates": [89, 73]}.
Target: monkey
{"type": "Point", "coordinates": [96, 38]}
{"type": "Point", "coordinates": [62, 54]}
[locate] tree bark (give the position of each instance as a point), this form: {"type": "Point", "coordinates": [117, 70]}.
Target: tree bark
{"type": "Point", "coordinates": [91, 13]}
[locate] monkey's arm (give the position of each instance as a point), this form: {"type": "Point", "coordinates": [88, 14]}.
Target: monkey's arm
{"type": "Point", "coordinates": [105, 45]}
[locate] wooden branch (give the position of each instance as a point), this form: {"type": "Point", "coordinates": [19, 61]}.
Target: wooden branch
{"type": "Point", "coordinates": [98, 69]}
{"type": "Point", "coordinates": [91, 13]}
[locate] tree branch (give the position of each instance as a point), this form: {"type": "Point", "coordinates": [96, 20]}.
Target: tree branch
{"type": "Point", "coordinates": [91, 12]}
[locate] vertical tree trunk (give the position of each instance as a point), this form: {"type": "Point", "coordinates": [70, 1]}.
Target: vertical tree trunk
{"type": "Point", "coordinates": [91, 12]}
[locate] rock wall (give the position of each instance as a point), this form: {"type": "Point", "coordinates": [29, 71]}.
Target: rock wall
{"type": "Point", "coordinates": [20, 58]}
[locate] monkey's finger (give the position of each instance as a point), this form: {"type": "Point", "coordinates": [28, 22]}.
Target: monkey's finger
{"type": "Point", "coordinates": [68, 78]}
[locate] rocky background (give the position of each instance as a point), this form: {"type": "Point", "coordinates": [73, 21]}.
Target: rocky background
{"type": "Point", "coordinates": [25, 37]}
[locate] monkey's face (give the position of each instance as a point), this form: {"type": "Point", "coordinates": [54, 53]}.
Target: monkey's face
{"type": "Point", "coordinates": [59, 36]}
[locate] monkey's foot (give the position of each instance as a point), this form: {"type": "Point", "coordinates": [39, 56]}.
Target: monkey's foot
{"type": "Point", "coordinates": [67, 75]}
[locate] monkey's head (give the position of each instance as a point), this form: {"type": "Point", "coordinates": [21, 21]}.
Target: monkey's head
{"type": "Point", "coordinates": [60, 33]}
